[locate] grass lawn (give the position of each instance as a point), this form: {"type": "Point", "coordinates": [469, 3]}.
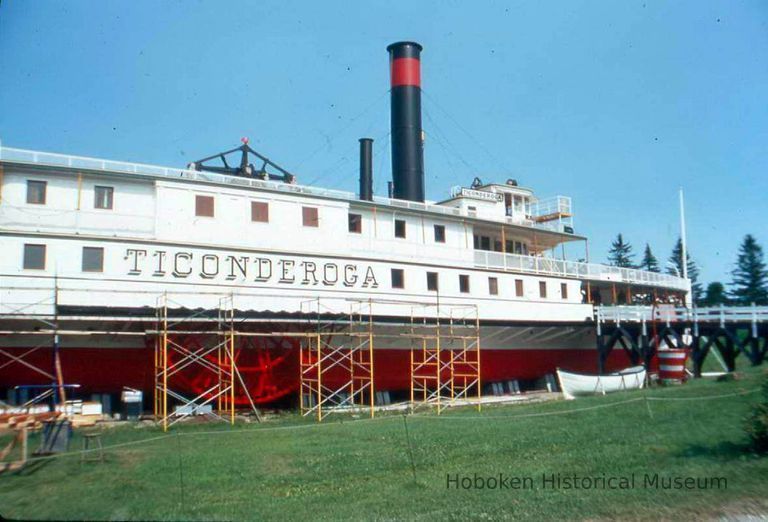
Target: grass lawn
{"type": "Point", "coordinates": [293, 469]}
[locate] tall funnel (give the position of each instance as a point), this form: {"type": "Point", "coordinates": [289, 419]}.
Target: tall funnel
{"type": "Point", "coordinates": [407, 144]}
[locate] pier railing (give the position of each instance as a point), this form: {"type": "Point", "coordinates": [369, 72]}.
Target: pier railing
{"type": "Point", "coordinates": [672, 314]}
{"type": "Point", "coordinates": [577, 269]}
{"type": "Point", "coordinates": [142, 169]}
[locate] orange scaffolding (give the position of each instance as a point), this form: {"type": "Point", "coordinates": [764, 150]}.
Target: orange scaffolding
{"type": "Point", "coordinates": [445, 356]}
{"type": "Point", "coordinates": [336, 363]}
{"type": "Point", "coordinates": [44, 313]}
{"type": "Point", "coordinates": [212, 350]}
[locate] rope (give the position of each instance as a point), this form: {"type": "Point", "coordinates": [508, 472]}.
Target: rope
{"type": "Point", "coordinates": [392, 417]}
{"type": "Point", "coordinates": [490, 155]}
{"type": "Point", "coordinates": [589, 408]}
{"type": "Point", "coordinates": [330, 137]}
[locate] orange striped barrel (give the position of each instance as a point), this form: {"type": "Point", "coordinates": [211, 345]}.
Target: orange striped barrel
{"type": "Point", "coordinates": [672, 365]}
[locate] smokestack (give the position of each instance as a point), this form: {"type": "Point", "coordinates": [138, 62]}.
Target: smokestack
{"type": "Point", "coordinates": [407, 145]}
{"type": "Point", "coordinates": [366, 169]}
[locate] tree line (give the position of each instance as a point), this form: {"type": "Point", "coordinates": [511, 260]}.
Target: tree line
{"type": "Point", "coordinates": [749, 278]}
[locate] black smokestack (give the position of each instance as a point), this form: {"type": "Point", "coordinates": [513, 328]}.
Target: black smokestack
{"type": "Point", "coordinates": [366, 169]}
{"type": "Point", "coordinates": [407, 145]}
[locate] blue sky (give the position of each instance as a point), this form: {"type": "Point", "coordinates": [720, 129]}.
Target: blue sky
{"type": "Point", "coordinates": [616, 104]}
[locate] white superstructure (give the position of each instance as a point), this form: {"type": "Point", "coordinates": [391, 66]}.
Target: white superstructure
{"type": "Point", "coordinates": [115, 235]}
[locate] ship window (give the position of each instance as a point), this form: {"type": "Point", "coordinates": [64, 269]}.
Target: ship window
{"type": "Point", "coordinates": [204, 206]}
{"type": "Point", "coordinates": [493, 286]}
{"type": "Point", "coordinates": [519, 292]}
{"type": "Point", "coordinates": [36, 192]}
{"type": "Point", "coordinates": [34, 257]}
{"type": "Point", "coordinates": [439, 233]}
{"type": "Point", "coordinates": [543, 289]}
{"type": "Point", "coordinates": [485, 243]}
{"type": "Point", "coordinates": [509, 246]}
{"type": "Point", "coordinates": [398, 278]}
{"type": "Point", "coordinates": [260, 211]}
{"type": "Point", "coordinates": [518, 247]}
{"type": "Point", "coordinates": [497, 246]}
{"type": "Point", "coordinates": [93, 259]}
{"type": "Point", "coordinates": [476, 241]}
{"type": "Point", "coordinates": [463, 283]}
{"type": "Point", "coordinates": [103, 197]}
{"type": "Point", "coordinates": [564, 290]}
{"type": "Point", "coordinates": [432, 281]}
{"type": "Point", "coordinates": [400, 228]}
{"type": "Point", "coordinates": [356, 223]}
{"type": "Point", "coordinates": [309, 217]}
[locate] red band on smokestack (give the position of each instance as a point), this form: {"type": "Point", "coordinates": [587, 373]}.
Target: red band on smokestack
{"type": "Point", "coordinates": [406, 71]}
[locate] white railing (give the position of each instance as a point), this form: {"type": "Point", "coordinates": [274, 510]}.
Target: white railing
{"type": "Point", "coordinates": [551, 206]}
{"type": "Point", "coordinates": [576, 269]}
{"type": "Point", "coordinates": [142, 169]}
{"type": "Point", "coordinates": [672, 314]}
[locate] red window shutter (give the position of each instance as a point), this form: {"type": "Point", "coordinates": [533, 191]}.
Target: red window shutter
{"type": "Point", "coordinates": [260, 211]}
{"type": "Point", "coordinates": [204, 206]}
{"type": "Point", "coordinates": [309, 216]}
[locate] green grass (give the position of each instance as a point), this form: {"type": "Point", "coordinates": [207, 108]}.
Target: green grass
{"type": "Point", "coordinates": [361, 469]}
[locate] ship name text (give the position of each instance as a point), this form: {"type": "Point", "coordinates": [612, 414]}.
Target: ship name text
{"type": "Point", "coordinates": [184, 264]}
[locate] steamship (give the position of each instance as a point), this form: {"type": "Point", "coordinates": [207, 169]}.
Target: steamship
{"type": "Point", "coordinates": [91, 245]}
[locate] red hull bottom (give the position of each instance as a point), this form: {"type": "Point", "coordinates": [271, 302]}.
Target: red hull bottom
{"type": "Point", "coordinates": [272, 374]}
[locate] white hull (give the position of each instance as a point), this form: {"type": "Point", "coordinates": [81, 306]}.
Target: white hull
{"type": "Point", "coordinates": [577, 385]}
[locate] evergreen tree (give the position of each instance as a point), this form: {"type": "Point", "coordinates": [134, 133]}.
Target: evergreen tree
{"type": "Point", "coordinates": [620, 253]}
{"type": "Point", "coordinates": [750, 279]}
{"type": "Point", "coordinates": [715, 295]}
{"type": "Point", "coordinates": [676, 260]}
{"type": "Point", "coordinates": [649, 262]}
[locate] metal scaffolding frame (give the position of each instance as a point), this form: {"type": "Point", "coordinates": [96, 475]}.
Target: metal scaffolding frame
{"type": "Point", "coordinates": [445, 356]}
{"type": "Point", "coordinates": [179, 347]}
{"type": "Point", "coordinates": [336, 363]}
{"type": "Point", "coordinates": [50, 323]}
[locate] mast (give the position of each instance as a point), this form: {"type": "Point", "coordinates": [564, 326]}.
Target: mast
{"type": "Point", "coordinates": [683, 239]}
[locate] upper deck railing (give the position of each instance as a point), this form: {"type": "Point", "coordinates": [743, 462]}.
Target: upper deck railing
{"type": "Point", "coordinates": [577, 269]}
{"type": "Point", "coordinates": [554, 206]}
{"type": "Point", "coordinates": [142, 169]}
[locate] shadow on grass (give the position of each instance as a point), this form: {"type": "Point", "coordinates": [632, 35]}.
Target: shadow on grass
{"type": "Point", "coordinates": [725, 450]}
{"type": "Point", "coordinates": [32, 467]}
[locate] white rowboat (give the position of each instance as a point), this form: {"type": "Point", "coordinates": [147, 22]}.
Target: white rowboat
{"type": "Point", "coordinates": [577, 384]}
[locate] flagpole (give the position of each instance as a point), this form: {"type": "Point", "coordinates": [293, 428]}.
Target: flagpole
{"type": "Point", "coordinates": [683, 240]}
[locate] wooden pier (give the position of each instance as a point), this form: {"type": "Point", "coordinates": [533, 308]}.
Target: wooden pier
{"type": "Point", "coordinates": [641, 330]}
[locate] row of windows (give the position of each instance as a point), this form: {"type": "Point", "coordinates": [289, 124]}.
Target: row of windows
{"type": "Point", "coordinates": [205, 207]}
{"type": "Point", "coordinates": [93, 261]}
{"type": "Point", "coordinates": [398, 282]}
{"type": "Point", "coordinates": [103, 197]}
{"type": "Point", "coordinates": [34, 258]}
{"type": "Point", "coordinates": [495, 245]}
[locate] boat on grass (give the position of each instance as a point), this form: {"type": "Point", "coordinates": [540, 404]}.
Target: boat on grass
{"type": "Point", "coordinates": [578, 384]}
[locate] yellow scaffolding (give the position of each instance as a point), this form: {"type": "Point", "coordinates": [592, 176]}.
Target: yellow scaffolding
{"type": "Point", "coordinates": [336, 363]}
{"type": "Point", "coordinates": [173, 355]}
{"type": "Point", "coordinates": [445, 356]}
